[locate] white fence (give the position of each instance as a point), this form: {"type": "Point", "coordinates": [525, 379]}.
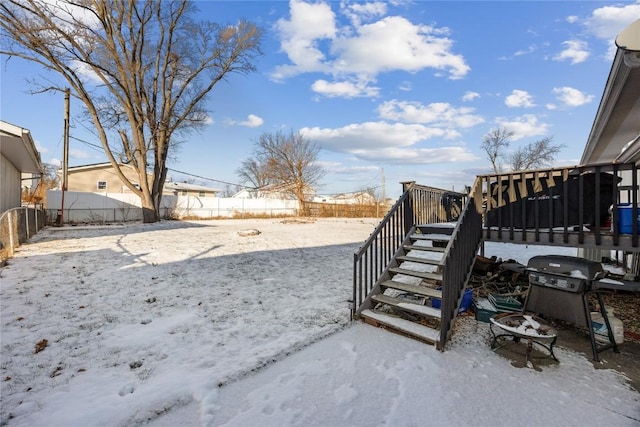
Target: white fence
{"type": "Point", "coordinates": [82, 207]}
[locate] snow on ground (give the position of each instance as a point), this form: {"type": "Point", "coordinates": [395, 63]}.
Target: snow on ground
{"type": "Point", "coordinates": [164, 324]}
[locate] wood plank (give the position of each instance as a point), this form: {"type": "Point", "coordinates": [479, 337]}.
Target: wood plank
{"type": "Point", "coordinates": [413, 273]}
{"type": "Point", "coordinates": [424, 291]}
{"type": "Point", "coordinates": [414, 329]}
{"type": "Point", "coordinates": [445, 228]}
{"type": "Point", "coordinates": [423, 248]}
{"type": "Point", "coordinates": [419, 260]}
{"type": "Point", "coordinates": [431, 237]}
{"type": "Point", "coordinates": [606, 243]}
{"type": "Point", "coordinates": [398, 303]}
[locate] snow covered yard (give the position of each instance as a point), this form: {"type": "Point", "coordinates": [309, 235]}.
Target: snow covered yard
{"type": "Point", "coordinates": [153, 324]}
{"type": "Point", "coordinates": [141, 318]}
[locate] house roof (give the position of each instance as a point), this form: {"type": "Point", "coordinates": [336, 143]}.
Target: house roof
{"type": "Point", "coordinates": [95, 166]}
{"type": "Point", "coordinates": [615, 134]}
{"type": "Point", "coordinates": [18, 147]}
{"type": "Point", "coordinates": [178, 186]}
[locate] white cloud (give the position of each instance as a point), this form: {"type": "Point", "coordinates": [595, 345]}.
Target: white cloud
{"type": "Point", "coordinates": [551, 106]}
{"type": "Point", "coordinates": [344, 89]}
{"type": "Point", "coordinates": [394, 43]}
{"type": "Point", "coordinates": [572, 97]}
{"type": "Point", "coordinates": [440, 114]}
{"type": "Point", "coordinates": [524, 126]}
{"type": "Point", "coordinates": [371, 135]}
{"type": "Point", "coordinates": [209, 120]}
{"type": "Point", "coordinates": [386, 142]}
{"type": "Point", "coordinates": [606, 22]}
{"type": "Point", "coordinates": [572, 19]}
{"type": "Point", "coordinates": [79, 154]}
{"type": "Point", "coordinates": [405, 86]}
{"type": "Point", "coordinates": [358, 12]}
{"type": "Point", "coordinates": [576, 51]}
{"type": "Point", "coordinates": [418, 156]}
{"type": "Point", "coordinates": [339, 168]}
{"type": "Point", "coordinates": [300, 37]}
{"type": "Point", "coordinates": [41, 148]}
{"type": "Point", "coordinates": [253, 121]}
{"type": "Point", "coordinates": [85, 71]}
{"type": "Point", "coordinates": [470, 96]}
{"type": "Point", "coordinates": [519, 98]}
{"type": "Point", "coordinates": [357, 52]}
{"type": "Point", "coordinates": [55, 162]}
{"type": "Point", "coordinates": [527, 51]}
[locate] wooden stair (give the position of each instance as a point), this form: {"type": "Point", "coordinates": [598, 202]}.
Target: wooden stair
{"type": "Point", "coordinates": [403, 301]}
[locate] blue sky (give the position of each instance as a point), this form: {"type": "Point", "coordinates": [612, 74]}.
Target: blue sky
{"type": "Point", "coordinates": [408, 88]}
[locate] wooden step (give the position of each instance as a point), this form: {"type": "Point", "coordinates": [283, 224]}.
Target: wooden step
{"type": "Point", "coordinates": [431, 237]}
{"type": "Point", "coordinates": [419, 260]}
{"type": "Point", "coordinates": [413, 273]}
{"type": "Point", "coordinates": [446, 228]}
{"type": "Point", "coordinates": [415, 330]}
{"type": "Point", "coordinates": [401, 304]}
{"type": "Point", "coordinates": [423, 248]}
{"type": "Point", "coordinates": [414, 289]}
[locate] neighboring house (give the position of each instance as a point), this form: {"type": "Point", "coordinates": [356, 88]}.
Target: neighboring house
{"type": "Point", "coordinates": [185, 189]}
{"type": "Point", "coordinates": [358, 198]}
{"type": "Point", "coordinates": [102, 178]}
{"type": "Point", "coordinates": [18, 158]}
{"type": "Point", "coordinates": [98, 178]}
{"type": "Point", "coordinates": [271, 191]}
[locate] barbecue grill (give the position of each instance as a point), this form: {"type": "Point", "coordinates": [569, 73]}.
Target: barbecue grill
{"type": "Point", "coordinates": [558, 288]}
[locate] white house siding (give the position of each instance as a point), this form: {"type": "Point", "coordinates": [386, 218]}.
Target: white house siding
{"type": "Point", "coordinates": [10, 185]}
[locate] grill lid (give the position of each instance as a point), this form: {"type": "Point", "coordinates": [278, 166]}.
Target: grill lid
{"type": "Point", "coordinates": [575, 267]}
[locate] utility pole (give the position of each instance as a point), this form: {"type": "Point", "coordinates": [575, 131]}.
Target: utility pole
{"type": "Point", "coordinates": [65, 155]}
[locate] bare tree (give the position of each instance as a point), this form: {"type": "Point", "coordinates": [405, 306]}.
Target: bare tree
{"type": "Point", "coordinates": [253, 172]}
{"type": "Point", "coordinates": [48, 180]}
{"type": "Point", "coordinates": [289, 161]}
{"type": "Point", "coordinates": [534, 155]}
{"type": "Point", "coordinates": [142, 69]}
{"type": "Point", "coordinates": [495, 143]}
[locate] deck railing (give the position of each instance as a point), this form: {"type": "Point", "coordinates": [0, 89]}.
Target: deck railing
{"type": "Point", "coordinates": [584, 206]}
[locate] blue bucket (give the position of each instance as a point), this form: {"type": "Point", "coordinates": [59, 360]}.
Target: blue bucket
{"type": "Point", "coordinates": [465, 304]}
{"type": "Point", "coordinates": [625, 218]}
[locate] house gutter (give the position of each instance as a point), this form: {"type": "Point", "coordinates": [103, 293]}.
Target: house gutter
{"type": "Point", "coordinates": [627, 57]}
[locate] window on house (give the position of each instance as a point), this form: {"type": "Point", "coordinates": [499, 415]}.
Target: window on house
{"type": "Point", "coordinates": [184, 192]}
{"type": "Point", "coordinates": [201, 194]}
{"type": "Point", "coordinates": [102, 185]}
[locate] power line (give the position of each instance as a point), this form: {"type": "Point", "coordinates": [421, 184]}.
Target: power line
{"type": "Point", "coordinates": [210, 179]}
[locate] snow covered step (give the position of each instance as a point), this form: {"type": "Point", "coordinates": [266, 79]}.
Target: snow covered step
{"type": "Point", "coordinates": [419, 260]}
{"type": "Point", "coordinates": [413, 273]}
{"type": "Point", "coordinates": [404, 326]}
{"type": "Point", "coordinates": [398, 303]}
{"type": "Point", "coordinates": [423, 248]}
{"type": "Point", "coordinates": [414, 289]}
{"type": "Point", "coordinates": [431, 237]}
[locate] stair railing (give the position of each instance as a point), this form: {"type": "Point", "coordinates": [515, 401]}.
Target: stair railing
{"type": "Point", "coordinates": [370, 261]}
{"type": "Point", "coordinates": [459, 258]}
{"type": "Point", "coordinates": [418, 205]}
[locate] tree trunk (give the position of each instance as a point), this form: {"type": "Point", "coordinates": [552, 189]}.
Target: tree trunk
{"type": "Point", "coordinates": [149, 212]}
{"type": "Point", "coordinates": [149, 215]}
